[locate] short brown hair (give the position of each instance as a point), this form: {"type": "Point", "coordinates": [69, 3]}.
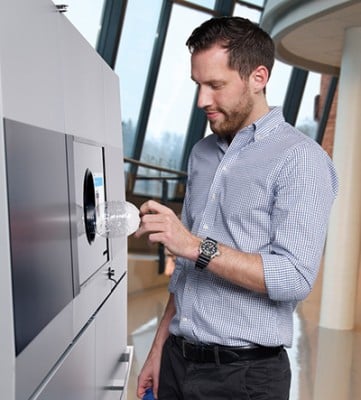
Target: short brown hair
{"type": "Point", "coordinates": [247, 44]}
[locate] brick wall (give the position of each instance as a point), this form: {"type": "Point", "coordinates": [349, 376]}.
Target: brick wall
{"type": "Point", "coordinates": [329, 134]}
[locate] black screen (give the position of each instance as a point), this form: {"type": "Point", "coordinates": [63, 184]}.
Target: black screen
{"type": "Point", "coordinates": [39, 220]}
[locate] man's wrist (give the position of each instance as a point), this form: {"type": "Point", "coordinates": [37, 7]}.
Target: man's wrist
{"type": "Point", "coordinates": [195, 251]}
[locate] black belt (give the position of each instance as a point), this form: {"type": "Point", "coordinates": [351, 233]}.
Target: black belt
{"type": "Point", "coordinates": [204, 353]}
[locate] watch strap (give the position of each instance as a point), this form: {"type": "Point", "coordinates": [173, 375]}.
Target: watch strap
{"type": "Point", "coordinates": [202, 261]}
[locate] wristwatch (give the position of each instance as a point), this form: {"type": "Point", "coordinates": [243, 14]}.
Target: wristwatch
{"type": "Point", "coordinates": [208, 249]}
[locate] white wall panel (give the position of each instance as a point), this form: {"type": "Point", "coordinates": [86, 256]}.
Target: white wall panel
{"type": "Point", "coordinates": [111, 338]}
{"type": "Point", "coordinates": [74, 379]}
{"type": "Point", "coordinates": [83, 85]}
{"type": "Point", "coordinates": [31, 67]}
{"type": "Point", "coordinates": [7, 354]}
{"type": "Point", "coordinates": [113, 128]}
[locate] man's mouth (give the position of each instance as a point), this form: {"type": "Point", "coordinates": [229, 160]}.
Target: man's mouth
{"type": "Point", "coordinates": [212, 115]}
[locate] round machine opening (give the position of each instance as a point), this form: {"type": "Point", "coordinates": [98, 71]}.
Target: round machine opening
{"type": "Point", "coordinates": [89, 206]}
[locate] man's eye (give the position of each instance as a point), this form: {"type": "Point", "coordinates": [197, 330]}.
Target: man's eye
{"type": "Point", "coordinates": [216, 86]}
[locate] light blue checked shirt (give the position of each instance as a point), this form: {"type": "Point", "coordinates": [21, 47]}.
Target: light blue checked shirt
{"type": "Point", "coordinates": [269, 192]}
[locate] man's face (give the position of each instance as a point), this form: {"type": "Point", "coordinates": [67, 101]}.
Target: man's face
{"type": "Point", "coordinates": [223, 95]}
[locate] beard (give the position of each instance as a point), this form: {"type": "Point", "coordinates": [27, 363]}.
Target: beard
{"type": "Point", "coordinates": [234, 119]}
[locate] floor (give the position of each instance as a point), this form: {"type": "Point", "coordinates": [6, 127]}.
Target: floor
{"type": "Point", "coordinates": [326, 364]}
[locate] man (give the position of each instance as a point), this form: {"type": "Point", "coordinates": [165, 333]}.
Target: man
{"type": "Point", "coordinates": [253, 228]}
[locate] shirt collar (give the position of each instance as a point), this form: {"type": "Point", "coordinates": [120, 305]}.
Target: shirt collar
{"type": "Point", "coordinates": [257, 130]}
{"type": "Point", "coordinates": [268, 122]}
{"type": "Point", "coordinates": [241, 139]}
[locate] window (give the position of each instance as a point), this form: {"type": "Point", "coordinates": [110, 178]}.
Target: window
{"type": "Point", "coordinates": [305, 118]}
{"type": "Point", "coordinates": [134, 54]}
{"type": "Point", "coordinates": [247, 12]}
{"type": "Point", "coordinates": [204, 3]}
{"type": "Point", "coordinates": [173, 98]}
{"type": "Point", "coordinates": [277, 86]}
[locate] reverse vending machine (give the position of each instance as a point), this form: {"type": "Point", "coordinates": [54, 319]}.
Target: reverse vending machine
{"type": "Point", "coordinates": [63, 284]}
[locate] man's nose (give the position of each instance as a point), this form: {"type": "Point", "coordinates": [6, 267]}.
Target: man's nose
{"type": "Point", "coordinates": [204, 98]}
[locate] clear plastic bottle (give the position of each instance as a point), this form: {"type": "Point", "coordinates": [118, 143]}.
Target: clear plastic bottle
{"type": "Point", "coordinates": [109, 219]}
{"type": "Point", "coordinates": [116, 218]}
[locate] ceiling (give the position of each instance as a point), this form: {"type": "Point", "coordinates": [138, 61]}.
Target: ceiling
{"type": "Point", "coordinates": [316, 42]}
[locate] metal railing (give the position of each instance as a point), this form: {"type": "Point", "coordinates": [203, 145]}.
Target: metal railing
{"type": "Point", "coordinates": [174, 175]}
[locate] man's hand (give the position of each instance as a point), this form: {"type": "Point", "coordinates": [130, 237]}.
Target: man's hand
{"type": "Point", "coordinates": [163, 226]}
{"type": "Point", "coordinates": [149, 376]}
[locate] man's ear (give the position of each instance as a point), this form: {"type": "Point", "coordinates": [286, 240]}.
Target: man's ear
{"type": "Point", "coordinates": [259, 78]}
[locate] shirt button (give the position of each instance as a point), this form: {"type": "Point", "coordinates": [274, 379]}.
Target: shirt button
{"type": "Point", "coordinates": [185, 319]}
{"type": "Point", "coordinates": [213, 196]}
{"type": "Point", "coordinates": [205, 226]}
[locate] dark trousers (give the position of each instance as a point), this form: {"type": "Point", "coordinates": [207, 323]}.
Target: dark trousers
{"type": "Point", "coordinates": [266, 379]}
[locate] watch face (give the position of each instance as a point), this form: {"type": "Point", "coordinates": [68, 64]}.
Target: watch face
{"type": "Point", "coordinates": [209, 248]}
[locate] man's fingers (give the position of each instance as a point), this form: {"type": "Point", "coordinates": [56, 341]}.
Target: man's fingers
{"type": "Point", "coordinates": [153, 207]}
{"type": "Point", "coordinates": [148, 207]}
{"type": "Point", "coordinates": [151, 223]}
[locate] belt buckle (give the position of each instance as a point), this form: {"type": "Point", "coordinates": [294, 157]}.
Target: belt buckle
{"type": "Point", "coordinates": [191, 352]}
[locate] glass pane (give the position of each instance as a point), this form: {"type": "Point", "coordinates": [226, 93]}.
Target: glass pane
{"type": "Point", "coordinates": [204, 3]}
{"type": "Point", "coordinates": [306, 115]}
{"type": "Point", "coordinates": [134, 53]}
{"type": "Point", "coordinates": [173, 98]}
{"type": "Point", "coordinates": [86, 16]}
{"type": "Point", "coordinates": [277, 86]}
{"type": "Point", "coordinates": [246, 12]}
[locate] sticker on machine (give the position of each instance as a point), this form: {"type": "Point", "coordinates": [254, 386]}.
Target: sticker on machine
{"type": "Point", "coordinates": [99, 188]}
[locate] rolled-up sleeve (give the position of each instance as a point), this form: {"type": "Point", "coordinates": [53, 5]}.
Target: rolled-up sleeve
{"type": "Point", "coordinates": [303, 195]}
